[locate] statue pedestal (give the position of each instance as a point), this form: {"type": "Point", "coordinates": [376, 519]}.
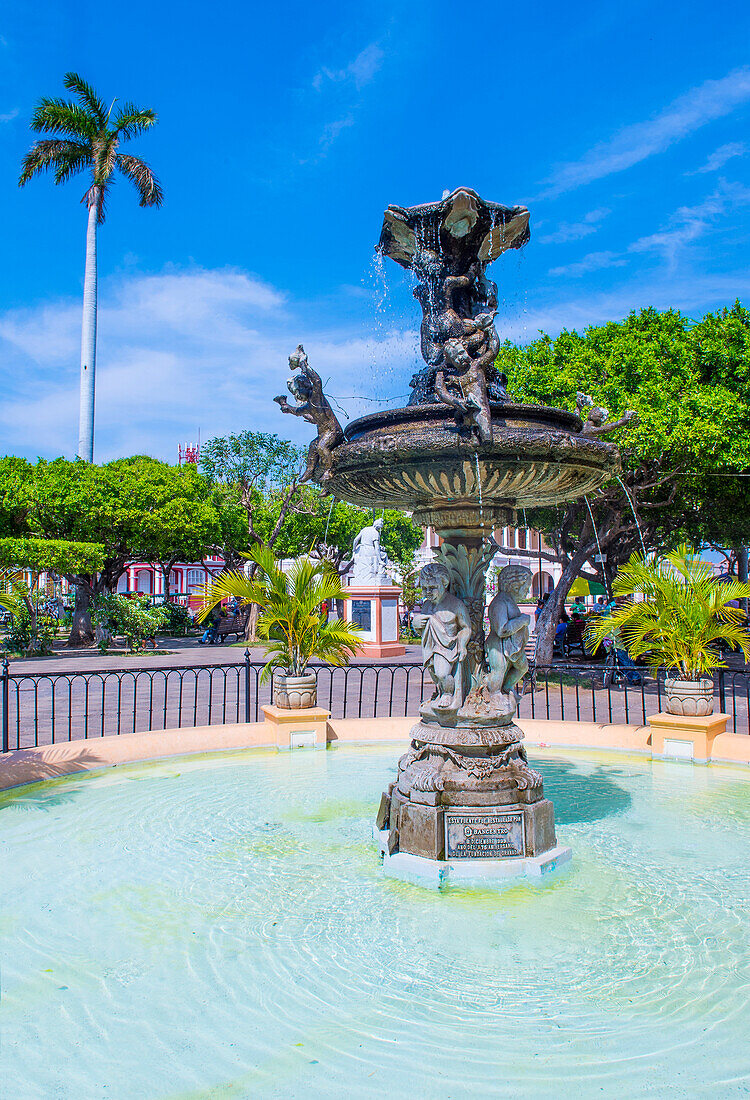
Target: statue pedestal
{"type": "Point", "coordinates": [467, 807]}
{"type": "Point", "coordinates": [374, 608]}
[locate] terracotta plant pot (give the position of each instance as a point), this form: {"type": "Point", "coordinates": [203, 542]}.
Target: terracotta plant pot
{"type": "Point", "coordinates": [295, 692]}
{"type": "Point", "coordinates": [691, 698]}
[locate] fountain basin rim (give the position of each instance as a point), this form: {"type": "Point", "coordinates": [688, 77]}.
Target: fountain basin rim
{"type": "Point", "coordinates": [543, 416]}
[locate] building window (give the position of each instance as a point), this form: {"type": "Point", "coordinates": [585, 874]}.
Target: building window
{"type": "Point", "coordinates": [196, 578]}
{"type": "Point", "coordinates": [521, 538]}
{"type": "Point", "coordinates": [547, 584]}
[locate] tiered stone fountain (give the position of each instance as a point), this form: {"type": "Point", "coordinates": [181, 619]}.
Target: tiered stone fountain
{"type": "Point", "coordinates": [462, 458]}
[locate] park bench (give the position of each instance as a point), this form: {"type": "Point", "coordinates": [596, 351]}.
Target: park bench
{"type": "Point", "coordinates": [234, 624]}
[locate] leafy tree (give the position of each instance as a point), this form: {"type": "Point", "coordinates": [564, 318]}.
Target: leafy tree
{"type": "Point", "coordinates": [43, 556]}
{"type": "Point", "coordinates": [401, 537]}
{"type": "Point", "coordinates": [136, 508]}
{"type": "Point", "coordinates": [15, 499]}
{"type": "Point", "coordinates": [411, 591]}
{"type": "Point", "coordinates": [87, 139]}
{"type": "Point", "coordinates": [690, 386]}
{"type": "Point", "coordinates": [180, 512]}
{"type": "Point", "coordinates": [261, 473]}
{"type": "Point", "coordinates": [325, 529]}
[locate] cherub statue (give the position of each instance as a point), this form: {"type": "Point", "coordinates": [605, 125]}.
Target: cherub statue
{"type": "Point", "coordinates": [469, 372]}
{"type": "Point", "coordinates": [509, 630]}
{"type": "Point", "coordinates": [597, 418]}
{"type": "Point", "coordinates": [306, 387]}
{"type": "Point", "coordinates": [446, 632]}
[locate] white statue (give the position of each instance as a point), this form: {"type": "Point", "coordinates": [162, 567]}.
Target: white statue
{"type": "Point", "coordinates": [369, 559]}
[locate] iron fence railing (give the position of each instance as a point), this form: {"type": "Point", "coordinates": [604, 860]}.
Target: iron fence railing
{"type": "Point", "coordinates": [590, 693]}
{"type": "Point", "coordinates": [42, 708]}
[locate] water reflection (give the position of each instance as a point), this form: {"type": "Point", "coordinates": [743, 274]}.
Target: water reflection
{"type": "Point", "coordinates": [582, 796]}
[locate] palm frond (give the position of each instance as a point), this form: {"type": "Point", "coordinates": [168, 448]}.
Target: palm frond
{"type": "Point", "coordinates": [10, 602]}
{"type": "Point", "coordinates": [132, 121]}
{"type": "Point", "coordinates": [87, 97]}
{"type": "Point", "coordinates": [66, 157]}
{"type": "Point", "coordinates": [105, 158]}
{"type": "Point", "coordinates": [674, 614]}
{"type": "Point", "coordinates": [290, 623]}
{"type": "Point", "coordinates": [53, 114]}
{"type": "Point", "coordinates": [144, 180]}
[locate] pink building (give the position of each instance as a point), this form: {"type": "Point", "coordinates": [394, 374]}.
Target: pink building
{"type": "Point", "coordinates": [186, 579]}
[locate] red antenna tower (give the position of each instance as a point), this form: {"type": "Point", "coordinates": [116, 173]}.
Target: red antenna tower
{"type": "Point", "coordinates": [191, 453]}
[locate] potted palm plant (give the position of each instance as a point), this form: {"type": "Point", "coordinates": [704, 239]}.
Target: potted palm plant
{"type": "Point", "coordinates": [291, 622]}
{"type": "Point", "coordinates": [676, 615]}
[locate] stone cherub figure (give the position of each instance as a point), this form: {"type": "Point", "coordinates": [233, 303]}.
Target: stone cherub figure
{"type": "Point", "coordinates": [495, 694]}
{"type": "Point", "coordinates": [306, 387]}
{"type": "Point", "coordinates": [597, 418]}
{"type": "Point", "coordinates": [469, 347]}
{"type": "Point", "coordinates": [446, 631]}
{"type": "Point", "coordinates": [509, 631]}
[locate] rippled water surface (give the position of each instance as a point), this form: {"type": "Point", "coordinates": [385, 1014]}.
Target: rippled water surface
{"type": "Point", "coordinates": [219, 927]}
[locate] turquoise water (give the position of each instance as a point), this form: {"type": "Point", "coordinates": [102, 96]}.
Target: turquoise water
{"type": "Point", "coordinates": [219, 927]}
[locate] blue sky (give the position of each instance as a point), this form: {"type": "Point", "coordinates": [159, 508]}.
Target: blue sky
{"type": "Point", "coordinates": [284, 131]}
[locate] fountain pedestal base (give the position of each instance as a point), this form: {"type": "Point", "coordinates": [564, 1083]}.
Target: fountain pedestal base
{"type": "Point", "coordinates": [467, 872]}
{"type": "Point", "coordinates": [466, 805]}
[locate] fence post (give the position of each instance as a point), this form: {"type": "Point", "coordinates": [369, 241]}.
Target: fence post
{"type": "Point", "coordinates": [247, 685]}
{"type": "Point", "coordinates": [722, 692]}
{"type": "Point", "coordinates": [4, 704]}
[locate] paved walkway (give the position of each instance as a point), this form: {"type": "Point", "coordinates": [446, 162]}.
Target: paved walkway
{"type": "Point", "coordinates": [183, 652]}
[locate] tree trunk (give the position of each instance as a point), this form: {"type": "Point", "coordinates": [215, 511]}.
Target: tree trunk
{"type": "Point", "coordinates": [88, 339]}
{"type": "Point", "coordinates": [252, 623]}
{"type": "Point", "coordinates": [550, 616]}
{"type": "Point", "coordinates": [82, 631]}
{"type": "Point", "coordinates": [33, 622]}
{"type": "Point", "coordinates": [166, 572]}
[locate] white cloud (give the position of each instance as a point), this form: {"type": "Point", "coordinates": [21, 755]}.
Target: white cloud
{"type": "Point", "coordinates": [360, 71]}
{"type": "Point", "coordinates": [694, 292]}
{"type": "Point", "coordinates": [594, 261]}
{"type": "Point", "coordinates": [178, 351]}
{"type": "Point", "coordinates": [688, 223]}
{"type": "Point", "coordinates": [634, 143]}
{"type": "Point", "coordinates": [332, 130]}
{"type": "Point", "coordinates": [574, 231]}
{"type": "Point", "coordinates": [10, 115]}
{"type": "Point", "coordinates": [720, 156]}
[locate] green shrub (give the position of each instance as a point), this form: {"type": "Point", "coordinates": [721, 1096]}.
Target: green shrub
{"type": "Point", "coordinates": [22, 639]}
{"type": "Point", "coordinates": [133, 617]}
{"type": "Point", "coordinates": [177, 621]}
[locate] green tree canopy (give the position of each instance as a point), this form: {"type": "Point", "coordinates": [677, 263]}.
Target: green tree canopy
{"type": "Point", "coordinates": [51, 555]}
{"type": "Point", "coordinates": [690, 386]}
{"type": "Point", "coordinates": [135, 508]}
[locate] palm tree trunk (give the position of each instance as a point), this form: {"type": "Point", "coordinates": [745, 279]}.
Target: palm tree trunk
{"type": "Point", "coordinates": [88, 338]}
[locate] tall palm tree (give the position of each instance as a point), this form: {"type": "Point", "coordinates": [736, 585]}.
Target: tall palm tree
{"type": "Point", "coordinates": [87, 139]}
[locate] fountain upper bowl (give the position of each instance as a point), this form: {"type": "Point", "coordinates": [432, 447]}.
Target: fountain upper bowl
{"type": "Point", "coordinates": [415, 459]}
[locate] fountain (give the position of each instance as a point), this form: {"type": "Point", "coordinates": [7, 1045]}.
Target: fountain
{"type": "Point", "coordinates": [463, 458]}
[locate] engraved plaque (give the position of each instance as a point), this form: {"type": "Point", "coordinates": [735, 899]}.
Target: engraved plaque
{"type": "Point", "coordinates": [484, 834]}
{"type": "Point", "coordinates": [362, 614]}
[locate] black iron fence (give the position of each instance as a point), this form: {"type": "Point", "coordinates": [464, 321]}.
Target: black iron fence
{"type": "Point", "coordinates": [42, 708]}
{"type": "Point", "coordinates": [597, 693]}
